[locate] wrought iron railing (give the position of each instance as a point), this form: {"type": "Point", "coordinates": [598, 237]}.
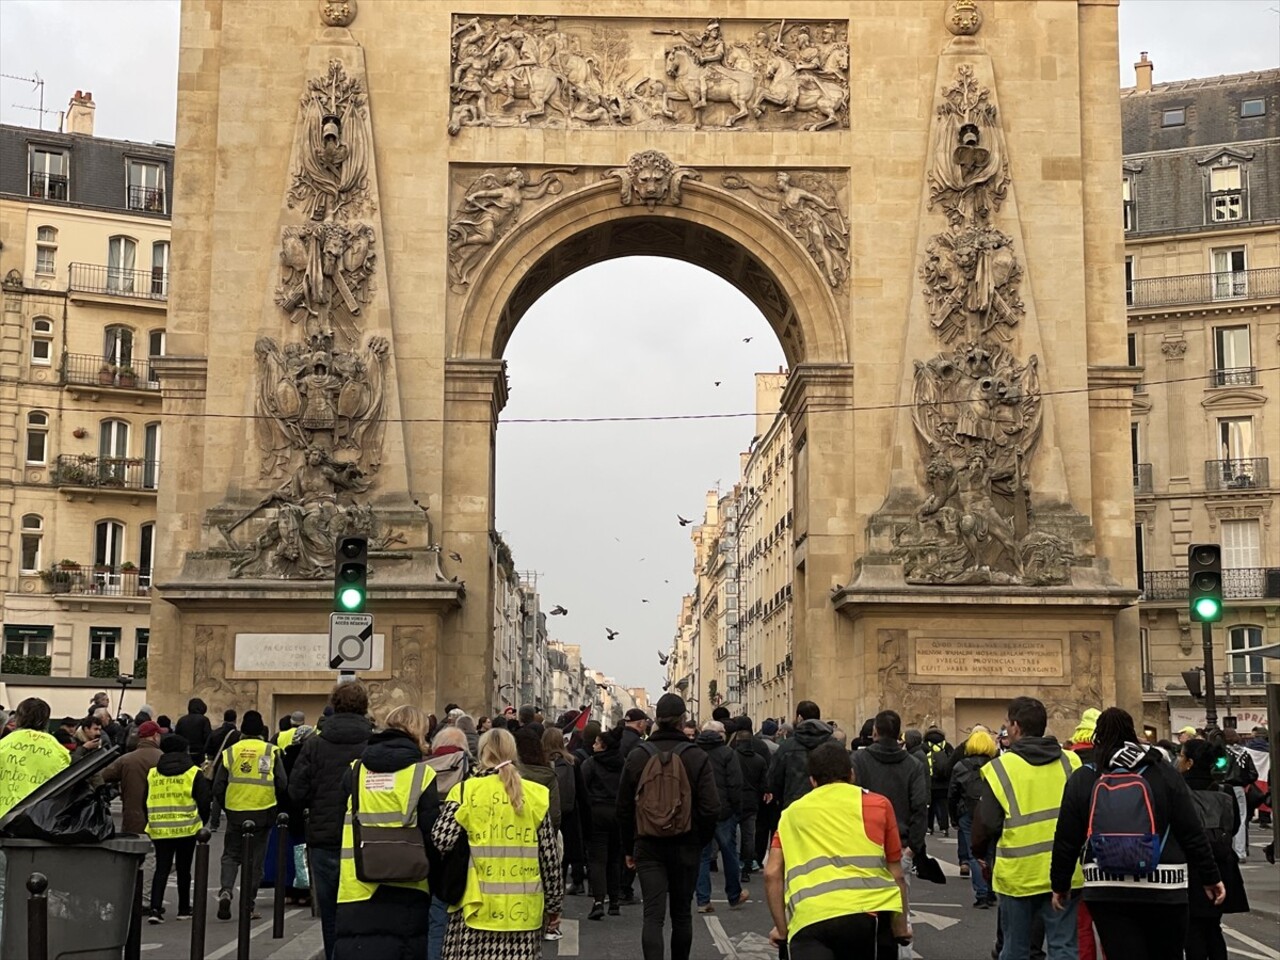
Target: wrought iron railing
{"type": "Point", "coordinates": [119, 282]}
{"type": "Point", "coordinates": [102, 580]}
{"type": "Point", "coordinates": [48, 186]}
{"type": "Point", "coordinates": [1248, 678]}
{"type": "Point", "coordinates": [1234, 376]}
{"type": "Point", "coordinates": [1238, 583]}
{"type": "Point", "coordinates": [90, 368]}
{"type": "Point", "coordinates": [1249, 473]}
{"type": "Point", "coordinates": [1195, 288]}
{"type": "Point", "coordinates": [150, 199]}
{"type": "Point", "coordinates": [1148, 683]}
{"type": "Point", "coordinates": [1142, 478]}
{"type": "Point", "coordinates": [124, 473]}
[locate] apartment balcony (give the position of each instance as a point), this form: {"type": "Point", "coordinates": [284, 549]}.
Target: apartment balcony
{"type": "Point", "coordinates": [147, 199]}
{"type": "Point", "coordinates": [47, 186]}
{"type": "Point", "coordinates": [1238, 583]}
{"type": "Point", "coordinates": [1246, 678]}
{"type": "Point", "coordinates": [1142, 480]}
{"type": "Point", "coordinates": [1194, 289]}
{"type": "Point", "coordinates": [1233, 377]}
{"type": "Point", "coordinates": [107, 281]}
{"type": "Point", "coordinates": [107, 474]}
{"type": "Point", "coordinates": [90, 369]}
{"type": "Point", "coordinates": [107, 581]}
{"type": "Point", "coordinates": [1250, 473]}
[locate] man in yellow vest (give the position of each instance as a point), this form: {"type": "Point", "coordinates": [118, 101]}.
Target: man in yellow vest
{"type": "Point", "coordinates": [296, 721]}
{"type": "Point", "coordinates": [177, 799]}
{"type": "Point", "coordinates": [1021, 793]}
{"type": "Point", "coordinates": [833, 879]}
{"type": "Point", "coordinates": [249, 779]}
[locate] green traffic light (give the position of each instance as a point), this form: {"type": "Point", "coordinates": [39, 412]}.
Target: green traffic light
{"type": "Point", "coordinates": [1220, 763]}
{"type": "Point", "coordinates": [350, 598]}
{"type": "Point", "coordinates": [1207, 608]}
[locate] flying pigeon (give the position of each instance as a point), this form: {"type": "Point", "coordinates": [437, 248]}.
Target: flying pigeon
{"type": "Point", "coordinates": [558, 611]}
{"type": "Point", "coordinates": [610, 633]}
{"type": "Point", "coordinates": [666, 686]}
{"type": "Point", "coordinates": [455, 556]}
{"type": "Point", "coordinates": [643, 600]}
{"type": "Point", "coordinates": [683, 521]}
{"type": "Point", "coordinates": [746, 339]}
{"type": "Point", "coordinates": [718, 382]}
{"type": "Point", "coordinates": [663, 658]}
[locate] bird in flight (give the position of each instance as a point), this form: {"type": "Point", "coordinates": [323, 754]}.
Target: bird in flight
{"type": "Point", "coordinates": [455, 556]}
{"type": "Point", "coordinates": [663, 658]}
{"type": "Point", "coordinates": [558, 611]}
{"type": "Point", "coordinates": [683, 521]}
{"type": "Point", "coordinates": [746, 339]}
{"type": "Point", "coordinates": [643, 600]}
{"type": "Point", "coordinates": [610, 633]}
{"type": "Point", "coordinates": [718, 383]}
{"type": "Point", "coordinates": [666, 686]}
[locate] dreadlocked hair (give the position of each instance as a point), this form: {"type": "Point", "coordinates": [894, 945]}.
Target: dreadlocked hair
{"type": "Point", "coordinates": [1114, 729]}
{"type": "Point", "coordinates": [497, 751]}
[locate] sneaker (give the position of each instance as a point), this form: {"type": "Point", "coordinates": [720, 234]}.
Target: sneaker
{"type": "Point", "coordinates": [946, 834]}
{"type": "Point", "coordinates": [982, 904]}
{"type": "Point", "coordinates": [706, 908]}
{"type": "Point", "coordinates": [552, 935]}
{"type": "Point", "coordinates": [964, 870]}
{"type": "Point", "coordinates": [628, 899]}
{"type": "Point", "coordinates": [224, 905]}
{"type": "Point", "coordinates": [615, 910]}
{"type": "Point", "coordinates": [573, 889]}
{"type": "Point", "coordinates": [155, 918]}
{"type": "Point", "coordinates": [597, 911]}
{"type": "Point", "coordinates": [185, 916]}
{"type": "Point", "coordinates": [744, 876]}
{"type": "Point", "coordinates": [743, 897]}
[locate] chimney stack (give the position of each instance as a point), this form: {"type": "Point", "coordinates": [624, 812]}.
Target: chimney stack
{"type": "Point", "coordinates": [1143, 69]}
{"type": "Point", "coordinates": [80, 114]}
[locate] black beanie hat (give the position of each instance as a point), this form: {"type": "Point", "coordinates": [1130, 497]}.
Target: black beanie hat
{"type": "Point", "coordinates": [252, 725]}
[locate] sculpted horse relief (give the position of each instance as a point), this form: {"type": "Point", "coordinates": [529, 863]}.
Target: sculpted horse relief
{"type": "Point", "coordinates": [700, 84]}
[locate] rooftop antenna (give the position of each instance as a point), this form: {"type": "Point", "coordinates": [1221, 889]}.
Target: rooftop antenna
{"type": "Point", "coordinates": [38, 85]}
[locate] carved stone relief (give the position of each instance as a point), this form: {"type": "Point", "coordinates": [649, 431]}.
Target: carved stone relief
{"type": "Point", "coordinates": [764, 75]}
{"type": "Point", "coordinates": [334, 148]}
{"type": "Point", "coordinates": [651, 178]}
{"type": "Point", "coordinates": [1174, 349]}
{"type": "Point", "coordinates": [209, 672]}
{"type": "Point", "coordinates": [807, 205]}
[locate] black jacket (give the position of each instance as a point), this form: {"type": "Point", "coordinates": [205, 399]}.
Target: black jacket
{"type": "Point", "coordinates": [887, 769]}
{"type": "Point", "coordinates": [727, 771]}
{"type": "Point", "coordinates": [789, 768]}
{"type": "Point", "coordinates": [213, 745]}
{"type": "Point", "coordinates": [755, 773]}
{"type": "Point", "coordinates": [601, 775]}
{"type": "Point", "coordinates": [629, 740]}
{"type": "Point", "coordinates": [316, 781]}
{"type": "Point", "coordinates": [175, 764]}
{"type": "Point", "coordinates": [702, 782]}
{"type": "Point", "coordinates": [1173, 809]}
{"type": "Point", "coordinates": [1220, 818]}
{"type": "Point", "coordinates": [393, 922]}
{"type": "Point", "coordinates": [966, 783]}
{"type": "Point", "coordinates": [196, 730]}
{"type": "Point", "coordinates": [938, 754]}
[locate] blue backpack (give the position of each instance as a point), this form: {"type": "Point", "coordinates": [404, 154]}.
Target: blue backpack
{"type": "Point", "coordinates": [1122, 824]}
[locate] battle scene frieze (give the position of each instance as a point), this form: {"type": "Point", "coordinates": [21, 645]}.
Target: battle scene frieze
{"type": "Point", "coordinates": [648, 74]}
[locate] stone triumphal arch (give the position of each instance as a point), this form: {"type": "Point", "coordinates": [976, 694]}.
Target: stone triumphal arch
{"type": "Point", "coordinates": [918, 197]}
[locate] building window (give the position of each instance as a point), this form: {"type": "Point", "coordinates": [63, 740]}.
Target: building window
{"type": "Point", "coordinates": [141, 644]}
{"type": "Point", "coordinates": [1127, 191]}
{"type": "Point", "coordinates": [37, 437]}
{"type": "Point", "coordinates": [1246, 670]}
{"type": "Point", "coordinates": [113, 451]}
{"type": "Point", "coordinates": [32, 535]}
{"type": "Point", "coordinates": [42, 341]}
{"type": "Point", "coordinates": [122, 256]}
{"type": "Point", "coordinates": [1128, 281]}
{"type": "Point", "coordinates": [108, 543]}
{"type": "Point", "coordinates": [150, 455]}
{"type": "Point", "coordinates": [1256, 107]}
{"type": "Point", "coordinates": [160, 268]}
{"type": "Point", "coordinates": [21, 640]}
{"type": "Point", "coordinates": [46, 250]}
{"type": "Point", "coordinates": [155, 348]}
{"type": "Point", "coordinates": [104, 643]}
{"type": "Point", "coordinates": [1241, 544]}
{"type": "Point", "coordinates": [1229, 277]}
{"type": "Point", "coordinates": [146, 553]}
{"type": "Point", "coordinates": [1175, 117]}
{"type": "Point", "coordinates": [146, 186]}
{"type": "Point", "coordinates": [49, 169]}
{"type": "Point", "coordinates": [1233, 365]}
{"type": "Point", "coordinates": [117, 346]}
{"type": "Point", "coordinates": [1226, 196]}
{"type": "Point", "coordinates": [1133, 350]}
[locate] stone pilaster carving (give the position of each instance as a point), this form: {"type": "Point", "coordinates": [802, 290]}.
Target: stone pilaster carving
{"type": "Point", "coordinates": [488, 210]}
{"type": "Point", "coordinates": [652, 178]}
{"type": "Point", "coordinates": [337, 13]}
{"type": "Point", "coordinates": [209, 671]}
{"type": "Point", "coordinates": [1174, 349]}
{"type": "Point", "coordinates": [969, 174]}
{"type": "Point", "coordinates": [332, 174]}
{"type": "Point", "coordinates": [326, 277]}
{"type": "Point", "coordinates": [964, 19]}
{"type": "Point", "coordinates": [549, 71]}
{"type": "Point", "coordinates": [807, 204]}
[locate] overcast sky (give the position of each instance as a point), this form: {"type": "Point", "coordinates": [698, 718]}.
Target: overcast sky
{"type": "Point", "coordinates": [591, 508]}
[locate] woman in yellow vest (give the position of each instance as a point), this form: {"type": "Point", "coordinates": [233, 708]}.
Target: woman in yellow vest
{"type": "Point", "coordinates": [29, 755]}
{"type": "Point", "coordinates": [833, 879]}
{"type": "Point", "coordinates": [394, 786]}
{"type": "Point", "coordinates": [177, 800]}
{"type": "Point", "coordinates": [514, 884]}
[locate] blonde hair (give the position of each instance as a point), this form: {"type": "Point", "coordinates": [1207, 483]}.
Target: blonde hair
{"type": "Point", "coordinates": [498, 754]}
{"type": "Point", "coordinates": [408, 719]}
{"type": "Point", "coordinates": [980, 743]}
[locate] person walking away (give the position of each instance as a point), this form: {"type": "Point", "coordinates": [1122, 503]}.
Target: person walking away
{"type": "Point", "coordinates": [1219, 817]}
{"type": "Point", "coordinates": [770, 807]}
{"type": "Point", "coordinates": [586, 746]}
{"type": "Point", "coordinates": [221, 738]}
{"type": "Point", "coordinates": [468, 727]}
{"type": "Point", "coordinates": [296, 721]}
{"type": "Point", "coordinates": [177, 800]}
{"type": "Point", "coordinates": [938, 755]}
{"type": "Point", "coordinates": [834, 880]}
{"type": "Point", "coordinates": [316, 786]}
{"type": "Point", "coordinates": [666, 815]}
{"type": "Point", "coordinates": [194, 727]}
{"type": "Point", "coordinates": [755, 772]}
{"type": "Point", "coordinates": [966, 789]}
{"type": "Point", "coordinates": [294, 872]}
{"type": "Point", "coordinates": [250, 777]}
{"type": "Point", "coordinates": [130, 771]}
{"type": "Point", "coordinates": [572, 801]}
{"type": "Point", "coordinates": [390, 787]}
{"type": "Point", "coordinates": [769, 735]}
{"type": "Point", "coordinates": [533, 765]}
{"type": "Point", "coordinates": [505, 820]}
{"type": "Point", "coordinates": [601, 776]}
{"type": "Point", "coordinates": [727, 772]}
{"type": "Point", "coordinates": [451, 761]}
{"type": "Point", "coordinates": [1259, 747]}
{"type": "Point", "coordinates": [1241, 773]}
{"type": "Point", "coordinates": [887, 769]}
{"type": "Point", "coordinates": [788, 770]}
{"type": "Point", "coordinates": [286, 725]}
{"type": "Point", "coordinates": [1133, 817]}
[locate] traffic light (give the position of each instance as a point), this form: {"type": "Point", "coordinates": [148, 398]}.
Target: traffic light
{"type": "Point", "coordinates": [351, 574]}
{"type": "Point", "coordinates": [1221, 761]}
{"type": "Point", "coordinates": [1204, 573]}
{"type": "Point", "coordinates": [1192, 679]}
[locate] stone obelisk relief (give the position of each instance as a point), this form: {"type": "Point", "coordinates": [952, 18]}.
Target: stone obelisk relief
{"type": "Point", "coordinates": [978, 492]}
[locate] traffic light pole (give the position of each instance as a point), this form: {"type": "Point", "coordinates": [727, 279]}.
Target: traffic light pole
{"type": "Point", "coordinates": [1210, 702]}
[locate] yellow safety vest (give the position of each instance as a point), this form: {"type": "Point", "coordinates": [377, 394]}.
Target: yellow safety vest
{"type": "Point", "coordinates": [250, 775]}
{"type": "Point", "coordinates": [28, 758]}
{"type": "Point", "coordinates": [171, 808]}
{"type": "Point", "coordinates": [504, 880]}
{"type": "Point", "coordinates": [285, 737]}
{"type": "Point", "coordinates": [833, 868]}
{"type": "Point", "coordinates": [1030, 796]}
{"type": "Point", "coordinates": [386, 800]}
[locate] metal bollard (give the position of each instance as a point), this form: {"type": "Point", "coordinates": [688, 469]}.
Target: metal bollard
{"type": "Point", "coordinates": [200, 901]}
{"type": "Point", "coordinates": [133, 945]}
{"type": "Point", "coordinates": [282, 876]}
{"type": "Point", "coordinates": [311, 872]}
{"type": "Point", "coordinates": [248, 887]}
{"type": "Point", "coordinates": [38, 917]}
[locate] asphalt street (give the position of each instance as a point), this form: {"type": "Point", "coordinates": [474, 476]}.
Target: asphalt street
{"type": "Point", "coordinates": [946, 926]}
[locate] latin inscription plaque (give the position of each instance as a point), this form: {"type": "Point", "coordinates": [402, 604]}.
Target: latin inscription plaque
{"type": "Point", "coordinates": [996, 659]}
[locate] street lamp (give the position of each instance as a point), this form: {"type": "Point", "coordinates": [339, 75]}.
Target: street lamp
{"type": "Point", "coordinates": [124, 680]}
